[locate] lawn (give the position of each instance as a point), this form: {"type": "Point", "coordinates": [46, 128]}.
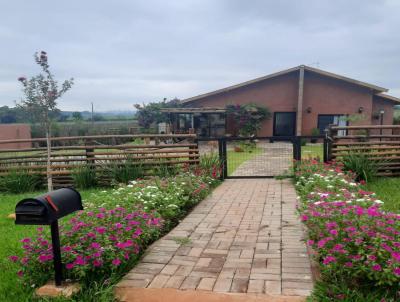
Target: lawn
{"type": "Point", "coordinates": [387, 190]}
{"type": "Point", "coordinates": [312, 151]}
{"type": "Point", "coordinates": [10, 237]}
{"type": "Point", "coordinates": [235, 159]}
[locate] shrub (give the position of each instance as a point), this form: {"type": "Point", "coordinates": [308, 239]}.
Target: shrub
{"type": "Point", "coordinates": [84, 177]}
{"type": "Point", "coordinates": [361, 164]}
{"type": "Point", "coordinates": [18, 181]}
{"type": "Point", "coordinates": [355, 242]}
{"type": "Point", "coordinates": [126, 171]}
{"type": "Point", "coordinates": [209, 161]}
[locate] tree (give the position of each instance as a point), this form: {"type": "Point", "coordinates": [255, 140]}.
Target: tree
{"type": "Point", "coordinates": [249, 117]}
{"type": "Point", "coordinates": [150, 113]}
{"type": "Point", "coordinates": [77, 116]}
{"type": "Point", "coordinates": [41, 94]}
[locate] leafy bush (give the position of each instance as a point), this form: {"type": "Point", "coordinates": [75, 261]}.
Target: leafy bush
{"type": "Point", "coordinates": [84, 177]}
{"type": "Point", "coordinates": [354, 241]}
{"type": "Point", "coordinates": [126, 171]}
{"type": "Point", "coordinates": [249, 117]}
{"type": "Point", "coordinates": [18, 181]}
{"type": "Point", "coordinates": [361, 164]}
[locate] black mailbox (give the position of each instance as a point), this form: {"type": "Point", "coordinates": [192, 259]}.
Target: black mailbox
{"type": "Point", "coordinates": [49, 207]}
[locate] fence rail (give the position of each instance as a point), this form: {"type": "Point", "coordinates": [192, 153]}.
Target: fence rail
{"type": "Point", "coordinates": [381, 143]}
{"type": "Point", "coordinates": [99, 153]}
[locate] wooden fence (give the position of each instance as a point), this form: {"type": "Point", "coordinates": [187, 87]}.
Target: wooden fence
{"type": "Point", "coordinates": [100, 153]}
{"type": "Point", "coordinates": [380, 143]}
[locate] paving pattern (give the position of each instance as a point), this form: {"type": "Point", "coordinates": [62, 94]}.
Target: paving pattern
{"type": "Point", "coordinates": [244, 238]}
{"type": "Point", "coordinates": [276, 159]}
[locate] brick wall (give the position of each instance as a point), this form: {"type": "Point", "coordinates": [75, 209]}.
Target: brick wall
{"type": "Point", "coordinates": [15, 131]}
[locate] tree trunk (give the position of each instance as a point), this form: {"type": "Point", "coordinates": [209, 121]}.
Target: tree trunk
{"type": "Point", "coordinates": [48, 167]}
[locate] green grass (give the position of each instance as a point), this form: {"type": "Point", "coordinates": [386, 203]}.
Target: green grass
{"type": "Point", "coordinates": [235, 159]}
{"type": "Point", "coordinates": [312, 151]}
{"type": "Point", "coordinates": [387, 190]}
{"type": "Point", "coordinates": [10, 235]}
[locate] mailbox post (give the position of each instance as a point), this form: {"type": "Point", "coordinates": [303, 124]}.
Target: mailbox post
{"type": "Point", "coordinates": [46, 209]}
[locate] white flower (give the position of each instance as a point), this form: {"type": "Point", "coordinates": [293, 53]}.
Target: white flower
{"type": "Point", "coordinates": [378, 201]}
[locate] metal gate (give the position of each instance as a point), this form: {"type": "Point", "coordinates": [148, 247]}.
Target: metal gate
{"type": "Point", "coordinates": [262, 157]}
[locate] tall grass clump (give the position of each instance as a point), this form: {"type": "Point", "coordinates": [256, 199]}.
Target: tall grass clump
{"type": "Point", "coordinates": [361, 164]}
{"type": "Point", "coordinates": [125, 171]}
{"type": "Point", "coordinates": [18, 181]}
{"type": "Point", "coordinates": [84, 177]}
{"type": "Point", "coordinates": [164, 170]}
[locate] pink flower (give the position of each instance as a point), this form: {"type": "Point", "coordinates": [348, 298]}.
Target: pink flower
{"type": "Point", "coordinates": [310, 242]}
{"type": "Point", "coordinates": [329, 259]}
{"type": "Point", "coordinates": [100, 230]}
{"type": "Point", "coordinates": [95, 245]}
{"type": "Point", "coordinates": [97, 263]}
{"type": "Point", "coordinates": [26, 240]}
{"type": "Point", "coordinates": [333, 232]}
{"type": "Point", "coordinates": [372, 212]}
{"type": "Point", "coordinates": [348, 264]}
{"type": "Point", "coordinates": [377, 267]}
{"type": "Point", "coordinates": [20, 273]}
{"type": "Point", "coordinates": [100, 215]}
{"type": "Point", "coordinates": [116, 262]}
{"type": "Point", "coordinates": [396, 271]}
{"type": "Point", "coordinates": [13, 258]}
{"type": "Point", "coordinates": [67, 248]}
{"type": "Point", "coordinates": [304, 217]}
{"type": "Point", "coordinates": [69, 266]}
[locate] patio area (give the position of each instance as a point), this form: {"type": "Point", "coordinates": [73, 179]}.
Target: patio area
{"type": "Point", "coordinates": [244, 239]}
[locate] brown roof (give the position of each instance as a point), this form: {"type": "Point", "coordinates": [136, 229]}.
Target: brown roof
{"type": "Point", "coordinates": [377, 89]}
{"type": "Point", "coordinates": [194, 110]}
{"type": "Point", "coordinates": [388, 97]}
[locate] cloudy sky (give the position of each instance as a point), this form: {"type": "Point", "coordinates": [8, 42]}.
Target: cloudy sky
{"type": "Point", "coordinates": [123, 52]}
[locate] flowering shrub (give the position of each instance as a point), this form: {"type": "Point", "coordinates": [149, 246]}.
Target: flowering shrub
{"type": "Point", "coordinates": [94, 244]}
{"type": "Point", "coordinates": [249, 117]}
{"type": "Point", "coordinates": [353, 238]}
{"type": "Point", "coordinates": [107, 237]}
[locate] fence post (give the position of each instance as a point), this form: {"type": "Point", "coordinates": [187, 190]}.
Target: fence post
{"type": "Point", "coordinates": [222, 157]}
{"type": "Point", "coordinates": [296, 147]}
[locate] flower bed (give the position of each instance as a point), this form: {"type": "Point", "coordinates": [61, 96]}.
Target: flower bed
{"type": "Point", "coordinates": [106, 239]}
{"type": "Point", "coordinates": [354, 240]}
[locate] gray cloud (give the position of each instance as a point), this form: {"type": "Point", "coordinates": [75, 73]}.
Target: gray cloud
{"type": "Point", "coordinates": [124, 52]}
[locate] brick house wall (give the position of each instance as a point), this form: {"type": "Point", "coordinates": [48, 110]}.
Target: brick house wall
{"type": "Point", "coordinates": [15, 131]}
{"type": "Point", "coordinates": [321, 95]}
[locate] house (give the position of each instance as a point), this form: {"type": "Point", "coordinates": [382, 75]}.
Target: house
{"type": "Point", "coordinates": [301, 99]}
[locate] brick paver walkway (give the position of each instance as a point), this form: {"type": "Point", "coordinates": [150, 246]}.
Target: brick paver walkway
{"type": "Point", "coordinates": [244, 238]}
{"type": "Point", "coordinates": [272, 162]}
